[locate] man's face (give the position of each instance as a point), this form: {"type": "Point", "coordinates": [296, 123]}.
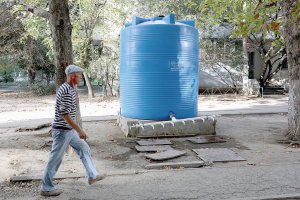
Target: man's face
{"type": "Point", "coordinates": [76, 77]}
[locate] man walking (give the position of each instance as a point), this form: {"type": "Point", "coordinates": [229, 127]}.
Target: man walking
{"type": "Point", "coordinates": [65, 131]}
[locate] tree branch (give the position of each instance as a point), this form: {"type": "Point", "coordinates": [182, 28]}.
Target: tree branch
{"type": "Point", "coordinates": [5, 10]}
{"type": "Point", "coordinates": [221, 77]}
{"type": "Point", "coordinates": [254, 45]}
{"type": "Point", "coordinates": [280, 58]}
{"type": "Point", "coordinates": [93, 24]}
{"type": "Point", "coordinates": [231, 76]}
{"type": "Point", "coordinates": [37, 11]}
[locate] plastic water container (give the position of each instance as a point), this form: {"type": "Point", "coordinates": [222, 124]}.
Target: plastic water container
{"type": "Point", "coordinates": [159, 68]}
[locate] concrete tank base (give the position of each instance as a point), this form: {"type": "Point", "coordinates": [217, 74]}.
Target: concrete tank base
{"type": "Point", "coordinates": [204, 125]}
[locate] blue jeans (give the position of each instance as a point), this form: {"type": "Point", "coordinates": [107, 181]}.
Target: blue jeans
{"type": "Point", "coordinates": [61, 140]}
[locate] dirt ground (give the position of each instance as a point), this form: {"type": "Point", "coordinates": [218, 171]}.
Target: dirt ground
{"type": "Point", "coordinates": [254, 137]}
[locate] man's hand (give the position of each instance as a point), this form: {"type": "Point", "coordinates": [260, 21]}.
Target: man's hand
{"type": "Point", "coordinates": [82, 135]}
{"type": "Point", "coordinates": [72, 123]}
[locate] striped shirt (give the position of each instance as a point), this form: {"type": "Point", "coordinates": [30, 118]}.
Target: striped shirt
{"type": "Point", "coordinates": [65, 104]}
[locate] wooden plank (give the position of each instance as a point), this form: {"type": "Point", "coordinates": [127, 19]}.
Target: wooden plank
{"type": "Point", "coordinates": [165, 155]}
{"type": "Point", "coordinates": [153, 148]}
{"type": "Point", "coordinates": [217, 155]}
{"type": "Point", "coordinates": [151, 142]}
{"type": "Point", "coordinates": [37, 178]}
{"type": "Point", "coordinates": [193, 164]}
{"type": "Point", "coordinates": [206, 139]}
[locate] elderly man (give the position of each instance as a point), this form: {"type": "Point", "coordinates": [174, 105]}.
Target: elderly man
{"type": "Point", "coordinates": [66, 132]}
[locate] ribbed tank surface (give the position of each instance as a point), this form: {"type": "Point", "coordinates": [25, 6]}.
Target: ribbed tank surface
{"type": "Point", "coordinates": [159, 69]}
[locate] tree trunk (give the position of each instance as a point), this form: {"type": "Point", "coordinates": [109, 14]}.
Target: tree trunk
{"type": "Point", "coordinates": [105, 89]}
{"type": "Point", "coordinates": [30, 68]}
{"type": "Point", "coordinates": [84, 82]}
{"type": "Point", "coordinates": [85, 63]}
{"type": "Point", "coordinates": [78, 113]}
{"type": "Point", "coordinates": [61, 35]}
{"type": "Point", "coordinates": [110, 88]}
{"type": "Point", "coordinates": [89, 85]}
{"type": "Point", "coordinates": [292, 39]}
{"type": "Point", "coordinates": [31, 76]}
{"type": "Point", "coordinates": [61, 29]}
{"type": "Point", "coordinates": [245, 72]}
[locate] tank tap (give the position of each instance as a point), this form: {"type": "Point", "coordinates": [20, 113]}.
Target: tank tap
{"type": "Point", "coordinates": [172, 116]}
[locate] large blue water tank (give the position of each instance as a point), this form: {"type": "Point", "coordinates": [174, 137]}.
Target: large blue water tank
{"type": "Point", "coordinates": [159, 68]}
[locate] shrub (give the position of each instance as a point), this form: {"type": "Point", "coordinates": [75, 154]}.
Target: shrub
{"type": "Point", "coordinates": [23, 85]}
{"type": "Point", "coordinates": [42, 90]}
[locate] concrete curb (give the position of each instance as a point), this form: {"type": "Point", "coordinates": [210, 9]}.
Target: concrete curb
{"type": "Point", "coordinates": [272, 197]}
{"type": "Point", "coordinates": [28, 124]}
{"type": "Point", "coordinates": [115, 117]}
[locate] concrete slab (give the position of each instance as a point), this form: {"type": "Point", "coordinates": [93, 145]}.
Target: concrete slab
{"type": "Point", "coordinates": [217, 155]}
{"type": "Point", "coordinates": [165, 155]}
{"type": "Point", "coordinates": [204, 125]}
{"type": "Point", "coordinates": [126, 125]}
{"type": "Point", "coordinates": [194, 164]}
{"type": "Point", "coordinates": [153, 142]}
{"type": "Point", "coordinates": [206, 139]}
{"type": "Point", "coordinates": [153, 148]}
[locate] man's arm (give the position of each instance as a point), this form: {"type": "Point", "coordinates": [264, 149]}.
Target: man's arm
{"type": "Point", "coordinates": [75, 126]}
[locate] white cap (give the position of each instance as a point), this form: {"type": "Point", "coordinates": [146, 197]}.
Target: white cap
{"type": "Point", "coordinates": [73, 69]}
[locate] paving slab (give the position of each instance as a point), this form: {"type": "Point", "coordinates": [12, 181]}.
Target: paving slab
{"type": "Point", "coordinates": [151, 142]}
{"type": "Point", "coordinates": [165, 155]}
{"type": "Point", "coordinates": [206, 139]}
{"type": "Point", "coordinates": [153, 148]}
{"type": "Point", "coordinates": [193, 164]}
{"type": "Point", "coordinates": [217, 155]}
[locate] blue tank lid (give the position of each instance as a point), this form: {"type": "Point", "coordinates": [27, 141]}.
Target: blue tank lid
{"type": "Point", "coordinates": [169, 19]}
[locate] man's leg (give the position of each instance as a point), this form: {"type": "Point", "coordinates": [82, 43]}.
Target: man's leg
{"type": "Point", "coordinates": [59, 145]}
{"type": "Point", "coordinates": [84, 152]}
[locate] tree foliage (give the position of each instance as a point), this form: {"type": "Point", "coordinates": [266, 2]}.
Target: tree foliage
{"type": "Point", "coordinates": [101, 22]}
{"type": "Point", "coordinates": [35, 60]}
{"type": "Point", "coordinates": [11, 29]}
{"type": "Point", "coordinates": [106, 70]}
{"type": "Point", "coordinates": [85, 15]}
{"type": "Point", "coordinates": [258, 21]}
{"type": "Point", "coordinates": [23, 37]}
{"type": "Point", "coordinates": [7, 68]}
